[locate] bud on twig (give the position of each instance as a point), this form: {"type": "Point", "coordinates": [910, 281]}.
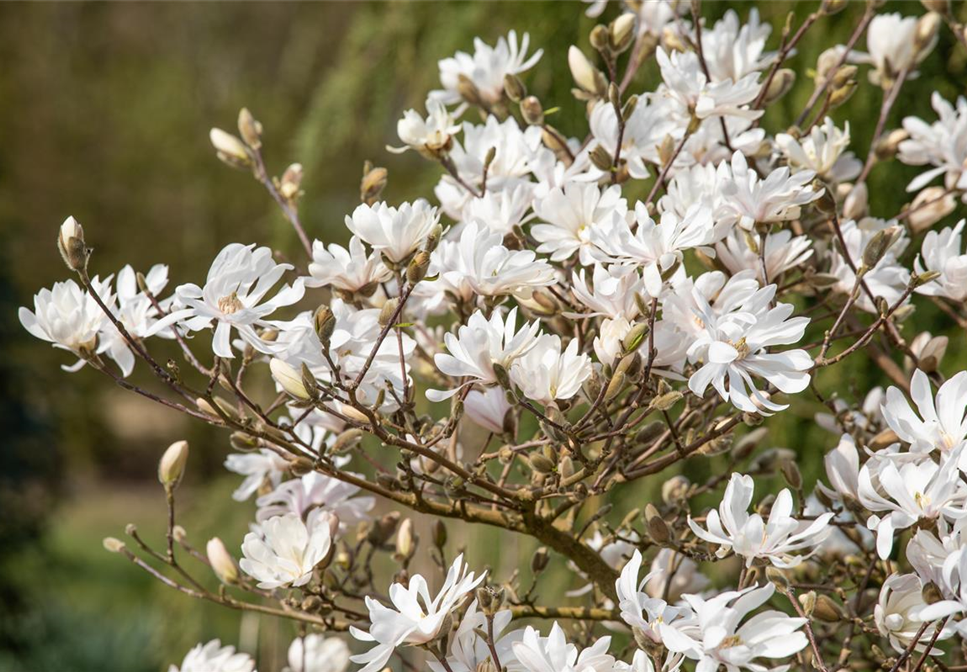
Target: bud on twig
{"type": "Point", "coordinates": [222, 562]}
{"type": "Point", "coordinates": [879, 245]}
{"type": "Point", "coordinates": [324, 322]}
{"type": "Point", "coordinates": [514, 87]}
{"type": "Point", "coordinates": [171, 467]}
{"type": "Point", "coordinates": [249, 129]}
{"type": "Point", "coordinates": [416, 270]}
{"type": "Point", "coordinates": [289, 379]}
{"type": "Point", "coordinates": [229, 149]}
{"type": "Point", "coordinates": [372, 185]}
{"type": "Point", "coordinates": [532, 111]}
{"type": "Point", "coordinates": [70, 243]}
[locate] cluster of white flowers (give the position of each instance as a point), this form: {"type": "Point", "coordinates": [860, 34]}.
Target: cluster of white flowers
{"type": "Point", "coordinates": [597, 336]}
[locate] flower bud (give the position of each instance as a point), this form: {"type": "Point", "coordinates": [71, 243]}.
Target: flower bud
{"type": "Point", "coordinates": [291, 181]}
{"type": "Point", "coordinates": [113, 545]}
{"type": "Point", "coordinates": [657, 527]}
{"type": "Point", "coordinates": [532, 111]}
{"type": "Point", "coordinates": [929, 207]}
{"type": "Point", "coordinates": [827, 610]}
{"type": "Point", "coordinates": [586, 76]}
{"type": "Point", "coordinates": [230, 149]}
{"type": "Point", "coordinates": [439, 533]}
{"type": "Point", "coordinates": [778, 578]}
{"type": "Point", "coordinates": [675, 489]}
{"type": "Point", "coordinates": [541, 464]}
{"type": "Point", "coordinates": [372, 185]}
{"type": "Point", "coordinates": [418, 266]}
{"type": "Point", "coordinates": [171, 467]}
{"type": "Point", "coordinates": [601, 158]}
{"type": "Point", "coordinates": [70, 243]}
{"type": "Point", "coordinates": [942, 7]}
{"type": "Point", "coordinates": [780, 85]}
{"type": "Point", "coordinates": [388, 311]}
{"type": "Point", "coordinates": [879, 245]}
{"type": "Point", "coordinates": [887, 146]}
{"type": "Point", "coordinates": [790, 471]}
{"type": "Point", "coordinates": [249, 129]}
{"type": "Point", "coordinates": [600, 39]}
{"type": "Point", "coordinates": [288, 379]}
{"type": "Point", "coordinates": [621, 32]}
{"type": "Point", "coordinates": [830, 7]}
{"type": "Point", "coordinates": [405, 541]}
{"type": "Point", "coordinates": [539, 560]}
{"type": "Point", "coordinates": [514, 87]}
{"type": "Point", "coordinates": [324, 322]}
{"type": "Point", "coordinates": [857, 202]}
{"type": "Point", "coordinates": [665, 401]}
{"type": "Point", "coordinates": [926, 36]}
{"type": "Point", "coordinates": [222, 562]}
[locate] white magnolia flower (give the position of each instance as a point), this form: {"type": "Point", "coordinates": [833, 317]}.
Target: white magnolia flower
{"type": "Point", "coordinates": [468, 650]}
{"type": "Point", "coordinates": [656, 247]}
{"type": "Point", "coordinates": [653, 119]}
{"type": "Point", "coordinates": [285, 550]}
{"type": "Point", "coordinates": [571, 214]}
{"type": "Point", "coordinates": [897, 613]}
{"type": "Point", "coordinates": [611, 292]}
{"type": "Point", "coordinates": [684, 305]}
{"type": "Point", "coordinates": [395, 232]}
{"type": "Point", "coordinates": [265, 467]}
{"type": "Point", "coordinates": [889, 278]}
{"type": "Point", "coordinates": [734, 347]}
{"type": "Point", "coordinates": [554, 654]}
{"type": "Point", "coordinates": [822, 152]}
{"type": "Point", "coordinates": [238, 281]}
{"type": "Point", "coordinates": [638, 608]}
{"type": "Point", "coordinates": [544, 373]}
{"type": "Point", "coordinates": [485, 69]}
{"type": "Point", "coordinates": [716, 636]}
{"type": "Point", "coordinates": [608, 344]}
{"type": "Point", "coordinates": [749, 200]}
{"type": "Point", "coordinates": [479, 345]}
{"type": "Point", "coordinates": [698, 185]}
{"type": "Point", "coordinates": [502, 210]}
{"type": "Point", "coordinates": [672, 575]}
{"type": "Point", "coordinates": [893, 46]}
{"type": "Point", "coordinates": [939, 424]}
{"type": "Point", "coordinates": [941, 253]}
{"type": "Point", "coordinates": [316, 653]}
{"type": "Point", "coordinates": [351, 270]}
{"type": "Point", "coordinates": [733, 50]}
{"type": "Point", "coordinates": [68, 317]}
{"type": "Point", "coordinates": [312, 494]}
{"type": "Point", "coordinates": [783, 252]}
{"type": "Point", "coordinates": [910, 491]}
{"type": "Point", "coordinates": [942, 144]}
{"type": "Point", "coordinates": [778, 540]}
{"type": "Point", "coordinates": [213, 657]}
{"type": "Point", "coordinates": [415, 617]}
{"type": "Point", "coordinates": [685, 83]}
{"type": "Point", "coordinates": [478, 264]}
{"type": "Point", "coordinates": [429, 135]}
{"type": "Point", "coordinates": [843, 471]}
{"type": "Point", "coordinates": [487, 408]}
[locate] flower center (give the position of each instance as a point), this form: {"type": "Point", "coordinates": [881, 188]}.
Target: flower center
{"type": "Point", "coordinates": [741, 347]}
{"type": "Point", "coordinates": [230, 304]}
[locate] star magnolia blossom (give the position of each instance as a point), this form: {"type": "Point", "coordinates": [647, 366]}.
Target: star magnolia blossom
{"type": "Point", "coordinates": [571, 214]}
{"type": "Point", "coordinates": [415, 617]}
{"type": "Point", "coordinates": [941, 253]}
{"type": "Point", "coordinates": [468, 650]}
{"type": "Point", "coordinates": [734, 348]}
{"type": "Point", "coordinates": [67, 317]}
{"type": "Point", "coordinates": [750, 200]}
{"type": "Point", "coordinates": [714, 636]}
{"type": "Point", "coordinates": [776, 540]}
{"type": "Point", "coordinates": [686, 84]}
{"type": "Point", "coordinates": [238, 281]}
{"type": "Point", "coordinates": [485, 69]}
{"type": "Point", "coordinates": [315, 494]}
{"type": "Point", "coordinates": [898, 612]}
{"type": "Point", "coordinates": [940, 424]}
{"type": "Point", "coordinates": [395, 232]}
{"type": "Point", "coordinates": [942, 144]}
{"type": "Point", "coordinates": [213, 657]}
{"type": "Point", "coordinates": [480, 345]}
{"type": "Point", "coordinates": [264, 467]}
{"type": "Point", "coordinates": [544, 373]}
{"type": "Point", "coordinates": [315, 653]}
{"type": "Point", "coordinates": [640, 610]}
{"type": "Point", "coordinates": [284, 550]}
{"type": "Point", "coordinates": [554, 654]}
{"type": "Point", "coordinates": [429, 135]}
{"type": "Point", "coordinates": [822, 152]}
{"type": "Point", "coordinates": [351, 270]}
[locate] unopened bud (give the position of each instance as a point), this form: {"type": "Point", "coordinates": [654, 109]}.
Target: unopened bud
{"type": "Point", "coordinates": [291, 181]}
{"type": "Point", "coordinates": [827, 610]}
{"type": "Point", "coordinates": [616, 386]}
{"type": "Point", "coordinates": [635, 337]}
{"type": "Point", "coordinates": [288, 379]}
{"type": "Point", "coordinates": [931, 593]}
{"type": "Point", "coordinates": [841, 94]}
{"type": "Point", "coordinates": [942, 7]}
{"type": "Point", "coordinates": [665, 401]}
{"type": "Point", "coordinates": [222, 562]}
{"type": "Point", "coordinates": [790, 471]}
{"type": "Point", "coordinates": [388, 311]}
{"type": "Point", "coordinates": [171, 467]}
{"type": "Point", "coordinates": [887, 146]}
{"type": "Point", "coordinates": [405, 541]}
{"type": "Point", "coordinates": [372, 184]}
{"type": "Point", "coordinates": [675, 489]}
{"type": "Point", "coordinates": [249, 129]}
{"type": "Point", "coordinates": [780, 85]}
{"type": "Point", "coordinates": [532, 111]}
{"type": "Point", "coordinates": [808, 602]}
{"type": "Point", "coordinates": [324, 322]}
{"type": "Point", "coordinates": [657, 527]}
{"type": "Point", "coordinates": [70, 243]}
{"type": "Point", "coordinates": [830, 7]}
{"type": "Point", "coordinates": [347, 440]}
{"type": "Point", "coordinates": [439, 533]}
{"type": "Point", "coordinates": [586, 76]}
{"type": "Point", "coordinates": [927, 27]}
{"type": "Point", "coordinates": [857, 202]}
{"type": "Point", "coordinates": [601, 158]}
{"type": "Point", "coordinates": [539, 560]}
{"type": "Point", "coordinates": [879, 245]}
{"type": "Point", "coordinates": [418, 266]}
{"type": "Point", "coordinates": [113, 545]}
{"type": "Point", "coordinates": [621, 32]}
{"type": "Point", "coordinates": [777, 577]}
{"type": "Point", "coordinates": [541, 464]}
{"type": "Point", "coordinates": [600, 39]}
{"type": "Point", "coordinates": [230, 149]}
{"type": "Point", "coordinates": [514, 87]}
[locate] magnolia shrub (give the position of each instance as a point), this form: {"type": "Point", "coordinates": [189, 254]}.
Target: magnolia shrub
{"type": "Point", "coordinates": [585, 315]}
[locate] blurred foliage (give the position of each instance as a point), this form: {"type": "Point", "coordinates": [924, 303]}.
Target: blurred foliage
{"type": "Point", "coordinates": [107, 112]}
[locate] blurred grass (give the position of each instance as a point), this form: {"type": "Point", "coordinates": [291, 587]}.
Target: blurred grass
{"type": "Point", "coordinates": [106, 115]}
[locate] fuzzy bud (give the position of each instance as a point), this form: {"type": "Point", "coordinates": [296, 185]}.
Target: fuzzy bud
{"type": "Point", "coordinates": [532, 111]}
{"type": "Point", "coordinates": [372, 185]}
{"type": "Point", "coordinates": [223, 564]}
{"type": "Point", "coordinates": [405, 541]}
{"type": "Point", "coordinates": [229, 149]}
{"type": "Point", "coordinates": [657, 527]}
{"type": "Point", "coordinates": [171, 467]}
{"type": "Point", "coordinates": [113, 545]}
{"type": "Point", "coordinates": [291, 181]}
{"type": "Point", "coordinates": [621, 32]}
{"type": "Point", "coordinates": [586, 76]}
{"type": "Point", "coordinates": [514, 87]}
{"type": "Point", "coordinates": [388, 311]}
{"type": "Point", "coordinates": [827, 610]}
{"type": "Point", "coordinates": [857, 202]}
{"type": "Point", "coordinates": [289, 379]}
{"type": "Point", "coordinates": [416, 270]}
{"type": "Point", "coordinates": [249, 129]}
{"type": "Point", "coordinates": [780, 85]}
{"type": "Point", "coordinates": [601, 158]}
{"type": "Point", "coordinates": [324, 322]}
{"type": "Point", "coordinates": [879, 245]}
{"type": "Point", "coordinates": [539, 560]}
{"type": "Point", "coordinates": [70, 243]}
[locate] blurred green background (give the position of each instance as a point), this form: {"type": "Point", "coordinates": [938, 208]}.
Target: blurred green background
{"type": "Point", "coordinates": [105, 115]}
